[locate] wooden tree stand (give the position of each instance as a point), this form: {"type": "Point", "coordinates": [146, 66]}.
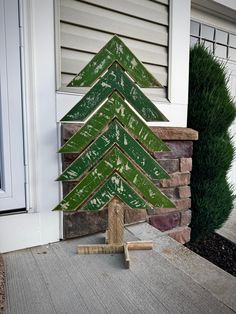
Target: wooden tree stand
{"type": "Point", "coordinates": [114, 240]}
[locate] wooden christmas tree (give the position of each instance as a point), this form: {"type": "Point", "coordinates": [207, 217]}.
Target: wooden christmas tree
{"type": "Point", "coordinates": [115, 146]}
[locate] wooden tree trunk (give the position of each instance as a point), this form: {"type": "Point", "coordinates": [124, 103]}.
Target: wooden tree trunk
{"type": "Point", "coordinates": [115, 231]}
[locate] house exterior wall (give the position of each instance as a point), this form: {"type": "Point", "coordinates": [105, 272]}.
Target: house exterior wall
{"type": "Point", "coordinates": [45, 106]}
{"type": "Point", "coordinates": [224, 18]}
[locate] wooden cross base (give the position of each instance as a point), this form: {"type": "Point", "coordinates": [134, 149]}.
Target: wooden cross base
{"type": "Point", "coordinates": [114, 236]}
{"type": "Point", "coordinates": [115, 248]}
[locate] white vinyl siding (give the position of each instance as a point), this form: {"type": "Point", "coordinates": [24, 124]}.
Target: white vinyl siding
{"type": "Point", "coordinates": [86, 26]}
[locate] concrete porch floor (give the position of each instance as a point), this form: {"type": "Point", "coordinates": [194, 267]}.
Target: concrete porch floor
{"type": "Point", "coordinates": [169, 279]}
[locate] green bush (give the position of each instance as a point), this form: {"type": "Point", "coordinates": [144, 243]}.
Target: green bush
{"type": "Point", "coordinates": [211, 111]}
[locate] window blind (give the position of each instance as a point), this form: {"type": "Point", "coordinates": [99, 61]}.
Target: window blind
{"type": "Point", "coordinates": [86, 26]}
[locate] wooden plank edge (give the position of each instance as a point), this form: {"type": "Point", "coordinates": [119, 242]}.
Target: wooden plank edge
{"type": "Point", "coordinates": [126, 254]}
{"type": "Point", "coordinates": [139, 245]}
{"type": "Point", "coordinates": [100, 248]}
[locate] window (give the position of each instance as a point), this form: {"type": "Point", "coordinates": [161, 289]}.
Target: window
{"type": "Point", "coordinates": [221, 43]}
{"type": "Point", "coordinates": [86, 26]}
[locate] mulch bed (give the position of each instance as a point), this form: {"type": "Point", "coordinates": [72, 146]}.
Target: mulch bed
{"type": "Point", "coordinates": [2, 285]}
{"type": "Point", "coordinates": [218, 250]}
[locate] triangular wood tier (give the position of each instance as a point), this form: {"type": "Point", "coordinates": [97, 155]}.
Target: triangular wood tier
{"type": "Point", "coordinates": [115, 51]}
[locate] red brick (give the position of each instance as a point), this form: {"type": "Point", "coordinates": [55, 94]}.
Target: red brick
{"type": "Point", "coordinates": [171, 192]}
{"type": "Point", "coordinates": [69, 158]}
{"type": "Point", "coordinates": [175, 133]}
{"type": "Point", "coordinates": [67, 130]}
{"type": "Point", "coordinates": [186, 164]}
{"type": "Point", "coordinates": [170, 165]}
{"type": "Point", "coordinates": [158, 211]}
{"type": "Point", "coordinates": [180, 234]}
{"type": "Point", "coordinates": [165, 222]}
{"type": "Point", "coordinates": [181, 204]}
{"type": "Point", "coordinates": [132, 215]}
{"type": "Point", "coordinates": [68, 186]}
{"type": "Point", "coordinates": [185, 217]}
{"type": "Point", "coordinates": [83, 223]}
{"type": "Point", "coordinates": [176, 179]}
{"type": "Point", "coordinates": [184, 203]}
{"type": "Point", "coordinates": [184, 191]}
{"type": "Point", "coordinates": [178, 149]}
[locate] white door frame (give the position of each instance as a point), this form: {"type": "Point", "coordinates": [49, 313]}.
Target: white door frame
{"type": "Point", "coordinates": [40, 225]}
{"type": "Point", "coordinates": [232, 88]}
{"type": "Point", "coordinates": [12, 189]}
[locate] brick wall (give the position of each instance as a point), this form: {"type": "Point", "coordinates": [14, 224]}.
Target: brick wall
{"type": "Point", "coordinates": [178, 163]}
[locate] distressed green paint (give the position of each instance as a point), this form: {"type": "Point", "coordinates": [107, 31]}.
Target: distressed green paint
{"type": "Point", "coordinates": [115, 160]}
{"type": "Point", "coordinates": [114, 79]}
{"type": "Point", "coordinates": [115, 186]}
{"type": "Point", "coordinates": [115, 50]}
{"type": "Point", "coordinates": [113, 108]}
{"type": "Point", "coordinates": [115, 135]}
{"type": "Point", "coordinates": [112, 162]}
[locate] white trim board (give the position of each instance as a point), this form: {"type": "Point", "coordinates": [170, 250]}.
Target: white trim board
{"type": "Point", "coordinates": [200, 12]}
{"type": "Point", "coordinates": [26, 230]}
{"type": "Point", "coordinates": [41, 226]}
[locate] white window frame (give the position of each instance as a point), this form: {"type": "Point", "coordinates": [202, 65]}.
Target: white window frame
{"type": "Point", "coordinates": [176, 107]}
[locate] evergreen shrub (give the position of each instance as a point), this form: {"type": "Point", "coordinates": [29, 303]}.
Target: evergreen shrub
{"type": "Point", "coordinates": [211, 111]}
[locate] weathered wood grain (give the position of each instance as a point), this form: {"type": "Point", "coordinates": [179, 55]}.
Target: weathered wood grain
{"type": "Point", "coordinates": [114, 79]}
{"type": "Point", "coordinates": [140, 245]}
{"type": "Point", "coordinates": [164, 133]}
{"type": "Point", "coordinates": [115, 50]}
{"type": "Point", "coordinates": [115, 230]}
{"type": "Point", "coordinates": [115, 160]}
{"type": "Point", "coordinates": [127, 258]}
{"type": "Point", "coordinates": [100, 248]}
{"type": "Point", "coordinates": [115, 135]}
{"type": "Point", "coordinates": [114, 107]}
{"type": "Point", "coordinates": [114, 186]}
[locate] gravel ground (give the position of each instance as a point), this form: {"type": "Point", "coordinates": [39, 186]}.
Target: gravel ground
{"type": "Point", "coordinates": [2, 282]}
{"type": "Point", "coordinates": [218, 250]}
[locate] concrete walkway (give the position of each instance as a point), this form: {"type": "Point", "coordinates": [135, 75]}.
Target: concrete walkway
{"type": "Point", "coordinates": [168, 279]}
{"type": "Point", "coordinates": [229, 228]}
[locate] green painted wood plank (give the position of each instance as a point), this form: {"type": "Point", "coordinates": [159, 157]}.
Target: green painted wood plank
{"type": "Point", "coordinates": [115, 160]}
{"type": "Point", "coordinates": [115, 50]}
{"type": "Point", "coordinates": [114, 79]}
{"type": "Point", "coordinates": [115, 135]}
{"type": "Point", "coordinates": [114, 107]}
{"type": "Point", "coordinates": [115, 186]}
